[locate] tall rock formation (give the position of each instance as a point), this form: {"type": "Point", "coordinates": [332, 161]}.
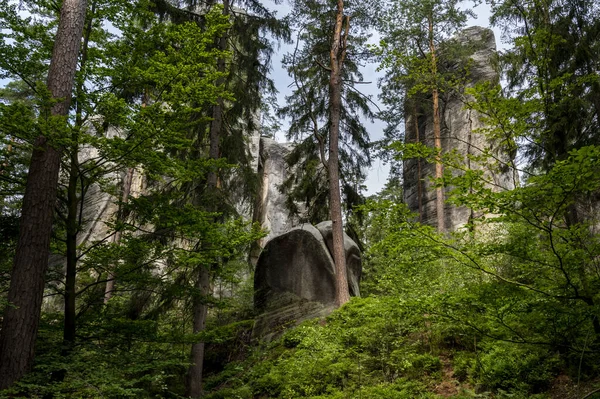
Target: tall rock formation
{"type": "Point", "coordinates": [270, 209]}
{"type": "Point", "coordinates": [459, 133]}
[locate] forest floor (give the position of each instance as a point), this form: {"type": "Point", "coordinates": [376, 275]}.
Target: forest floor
{"type": "Point", "coordinates": [563, 386]}
{"type": "Point", "coordinates": [450, 386]}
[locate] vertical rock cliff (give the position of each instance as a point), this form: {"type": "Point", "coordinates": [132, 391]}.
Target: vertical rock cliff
{"type": "Point", "coordinates": [460, 132]}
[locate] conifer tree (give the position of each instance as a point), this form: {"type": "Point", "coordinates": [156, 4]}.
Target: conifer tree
{"type": "Point", "coordinates": [554, 57]}
{"type": "Point", "coordinates": [226, 136]}
{"type": "Point", "coordinates": [308, 106]}
{"type": "Point", "coordinates": [169, 64]}
{"type": "Point", "coordinates": [326, 108]}
{"type": "Point", "coordinates": [412, 33]}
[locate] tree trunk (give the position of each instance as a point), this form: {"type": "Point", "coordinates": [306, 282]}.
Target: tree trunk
{"type": "Point", "coordinates": [71, 271]}
{"type": "Point", "coordinates": [337, 54]}
{"type": "Point", "coordinates": [437, 136]}
{"type": "Point", "coordinates": [73, 202]}
{"type": "Point", "coordinates": [127, 181]}
{"type": "Point", "coordinates": [419, 182]}
{"type": "Point", "coordinates": [200, 311]}
{"type": "Point", "coordinates": [21, 320]}
{"type": "Point", "coordinates": [200, 308]}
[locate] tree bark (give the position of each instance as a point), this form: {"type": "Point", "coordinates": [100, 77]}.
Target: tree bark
{"type": "Point", "coordinates": [337, 55]}
{"type": "Point", "coordinates": [73, 202]}
{"type": "Point", "coordinates": [200, 312]}
{"type": "Point", "coordinates": [419, 182]}
{"type": "Point", "coordinates": [200, 308]}
{"type": "Point", "coordinates": [21, 318]}
{"type": "Point", "coordinates": [127, 181]}
{"type": "Point", "coordinates": [437, 136]}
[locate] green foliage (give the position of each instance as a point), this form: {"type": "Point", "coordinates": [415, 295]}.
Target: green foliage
{"type": "Point", "coordinates": [508, 294]}
{"type": "Point", "coordinates": [308, 107]}
{"type": "Point", "coordinates": [367, 348]}
{"type": "Point", "coordinates": [558, 81]}
{"type": "Point", "coordinates": [146, 366]}
{"type": "Point", "coordinates": [141, 98]}
{"type": "Point", "coordinates": [501, 307]}
{"type": "Point", "coordinates": [519, 368]}
{"type": "Point", "coordinates": [409, 30]}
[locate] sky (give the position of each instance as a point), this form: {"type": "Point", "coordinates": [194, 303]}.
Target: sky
{"type": "Point", "coordinates": [378, 173]}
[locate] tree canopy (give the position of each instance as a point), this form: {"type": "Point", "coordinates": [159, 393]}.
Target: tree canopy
{"type": "Point", "coordinates": [124, 267]}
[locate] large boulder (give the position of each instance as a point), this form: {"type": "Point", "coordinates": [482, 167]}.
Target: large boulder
{"type": "Point", "coordinates": [297, 264]}
{"type": "Point", "coordinates": [295, 278]}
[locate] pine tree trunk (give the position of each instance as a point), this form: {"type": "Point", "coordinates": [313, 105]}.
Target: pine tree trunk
{"type": "Point", "coordinates": [337, 54]}
{"type": "Point", "coordinates": [21, 320]}
{"type": "Point", "coordinates": [73, 202]}
{"type": "Point", "coordinates": [200, 308]}
{"type": "Point", "coordinates": [437, 136]}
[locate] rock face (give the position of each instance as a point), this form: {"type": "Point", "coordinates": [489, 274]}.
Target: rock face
{"type": "Point", "coordinates": [459, 133]}
{"type": "Point", "coordinates": [270, 208]}
{"type": "Point", "coordinates": [295, 273]}
{"type": "Point", "coordinates": [353, 259]}
{"type": "Point", "coordinates": [295, 278]}
{"type": "Point", "coordinates": [99, 207]}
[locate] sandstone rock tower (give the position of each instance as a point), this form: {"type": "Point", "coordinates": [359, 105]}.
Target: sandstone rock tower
{"type": "Point", "coordinates": [460, 134]}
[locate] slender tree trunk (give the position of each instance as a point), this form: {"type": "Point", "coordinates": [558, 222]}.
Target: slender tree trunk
{"type": "Point", "coordinates": [21, 319]}
{"type": "Point", "coordinates": [127, 181]}
{"type": "Point", "coordinates": [337, 54]}
{"type": "Point", "coordinates": [419, 173]}
{"type": "Point", "coordinates": [200, 312]}
{"type": "Point", "coordinates": [71, 241]}
{"type": "Point", "coordinates": [200, 307]}
{"type": "Point", "coordinates": [437, 136]}
{"type": "Point", "coordinates": [73, 201]}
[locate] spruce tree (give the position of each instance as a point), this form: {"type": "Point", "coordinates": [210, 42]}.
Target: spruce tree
{"type": "Point", "coordinates": [326, 109]}
{"type": "Point", "coordinates": [226, 135]}
{"type": "Point", "coordinates": [556, 48]}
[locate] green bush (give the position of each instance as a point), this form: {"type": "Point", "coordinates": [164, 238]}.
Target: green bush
{"type": "Point", "coordinates": [520, 368]}
{"type": "Point", "coordinates": [463, 365]}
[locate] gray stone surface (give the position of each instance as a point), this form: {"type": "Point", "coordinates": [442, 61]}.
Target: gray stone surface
{"type": "Point", "coordinates": [270, 208]}
{"type": "Point", "coordinates": [297, 262]}
{"type": "Point", "coordinates": [272, 324]}
{"type": "Point", "coordinates": [353, 258]}
{"type": "Point", "coordinates": [461, 132]}
{"type": "Point", "coordinates": [295, 278]}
